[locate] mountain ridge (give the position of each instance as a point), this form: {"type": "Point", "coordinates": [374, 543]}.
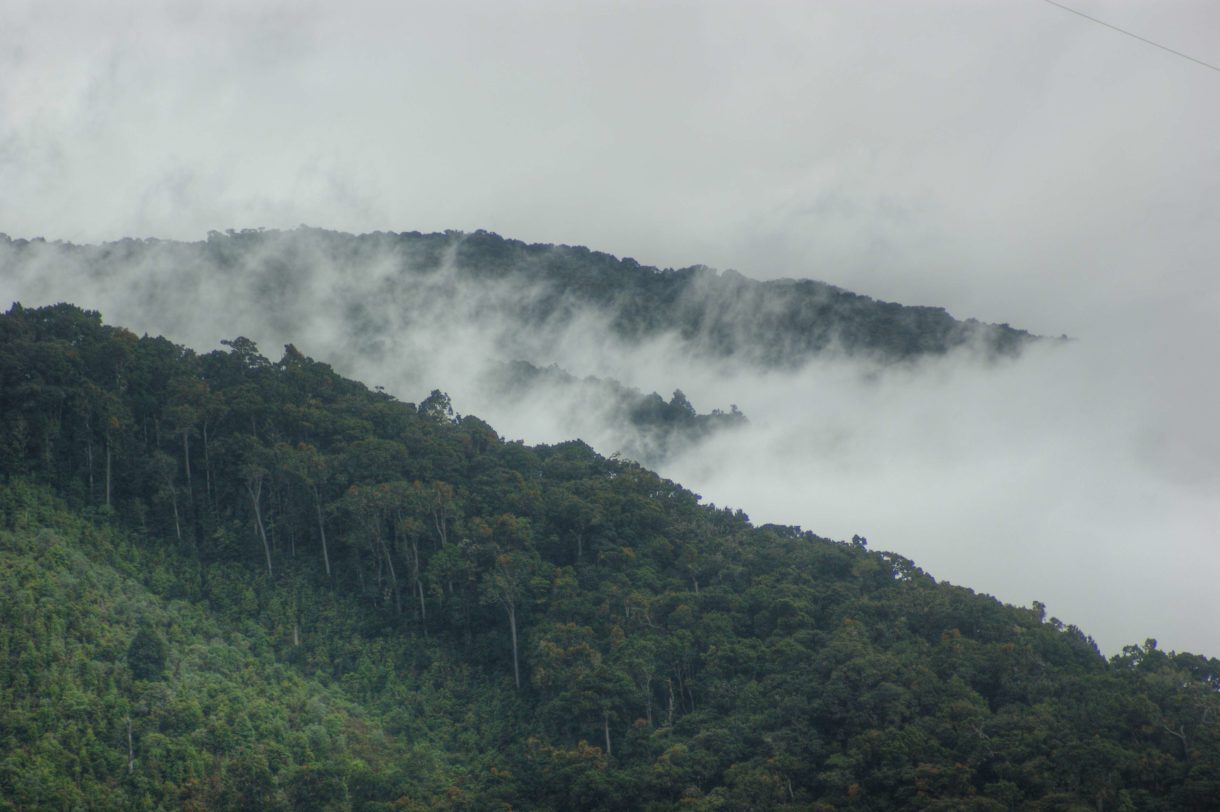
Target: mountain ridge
{"type": "Point", "coordinates": [724, 314]}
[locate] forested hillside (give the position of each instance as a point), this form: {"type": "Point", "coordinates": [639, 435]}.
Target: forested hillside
{"type": "Point", "coordinates": [539, 287]}
{"type": "Point", "coordinates": [232, 582]}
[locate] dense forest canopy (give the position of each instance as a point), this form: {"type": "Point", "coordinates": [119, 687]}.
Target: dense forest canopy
{"type": "Point", "coordinates": [231, 582]}
{"type": "Point", "coordinates": [718, 315]}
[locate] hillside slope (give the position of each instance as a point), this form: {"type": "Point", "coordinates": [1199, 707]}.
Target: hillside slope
{"type": "Point", "coordinates": [379, 605]}
{"type": "Point", "coordinates": [137, 678]}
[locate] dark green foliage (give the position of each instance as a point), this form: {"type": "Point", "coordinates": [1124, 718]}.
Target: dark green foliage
{"type": "Point", "coordinates": [146, 654]}
{"type": "Point", "coordinates": [364, 605]}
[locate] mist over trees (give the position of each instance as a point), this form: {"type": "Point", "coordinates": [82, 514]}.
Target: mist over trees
{"type": "Point", "coordinates": [660, 428]}
{"type": "Point", "coordinates": [233, 582]}
{"type": "Point", "coordinates": [721, 315]}
{"type": "Point", "coordinates": [416, 310]}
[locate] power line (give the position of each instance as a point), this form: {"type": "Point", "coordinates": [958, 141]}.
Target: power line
{"type": "Point", "coordinates": [1135, 36]}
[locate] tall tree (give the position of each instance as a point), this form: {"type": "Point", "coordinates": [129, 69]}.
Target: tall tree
{"type": "Point", "coordinates": [253, 476]}
{"type": "Point", "coordinates": [507, 583]}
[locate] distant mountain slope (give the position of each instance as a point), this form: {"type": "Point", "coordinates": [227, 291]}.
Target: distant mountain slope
{"type": "Point", "coordinates": [545, 287]}
{"type": "Point", "coordinates": [231, 582]}
{"type": "Point", "coordinates": [659, 428]}
{"type": "Point", "coordinates": [776, 323]}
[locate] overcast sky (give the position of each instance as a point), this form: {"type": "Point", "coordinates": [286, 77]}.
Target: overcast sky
{"type": "Point", "coordinates": [1007, 159]}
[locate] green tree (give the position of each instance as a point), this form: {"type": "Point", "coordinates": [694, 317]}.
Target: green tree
{"type": "Point", "coordinates": [146, 656]}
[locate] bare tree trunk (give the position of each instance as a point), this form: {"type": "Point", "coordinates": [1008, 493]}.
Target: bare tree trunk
{"type": "Point", "coordinates": [606, 727]}
{"type": "Point", "coordinates": [684, 688]}
{"type": "Point", "coordinates": [89, 457]}
{"type": "Point", "coordinates": [419, 584]}
{"type": "Point", "coordinates": [107, 470]}
{"type": "Point", "coordinates": [512, 625]}
{"type": "Point", "coordinates": [89, 452]}
{"type": "Point", "coordinates": [255, 490]}
{"type": "Point", "coordinates": [173, 498]}
{"type": "Point", "coordinates": [379, 573]}
{"type": "Point", "coordinates": [423, 609]}
{"type": "Point", "coordinates": [131, 751]}
{"type": "Point", "coordinates": [272, 523]}
{"type": "Point", "coordinates": [317, 505]}
{"type": "Point", "coordinates": [439, 519]}
{"type": "Point", "coordinates": [393, 575]}
{"type": "Point", "coordinates": [186, 456]}
{"type": "Point", "coordinates": [207, 465]}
